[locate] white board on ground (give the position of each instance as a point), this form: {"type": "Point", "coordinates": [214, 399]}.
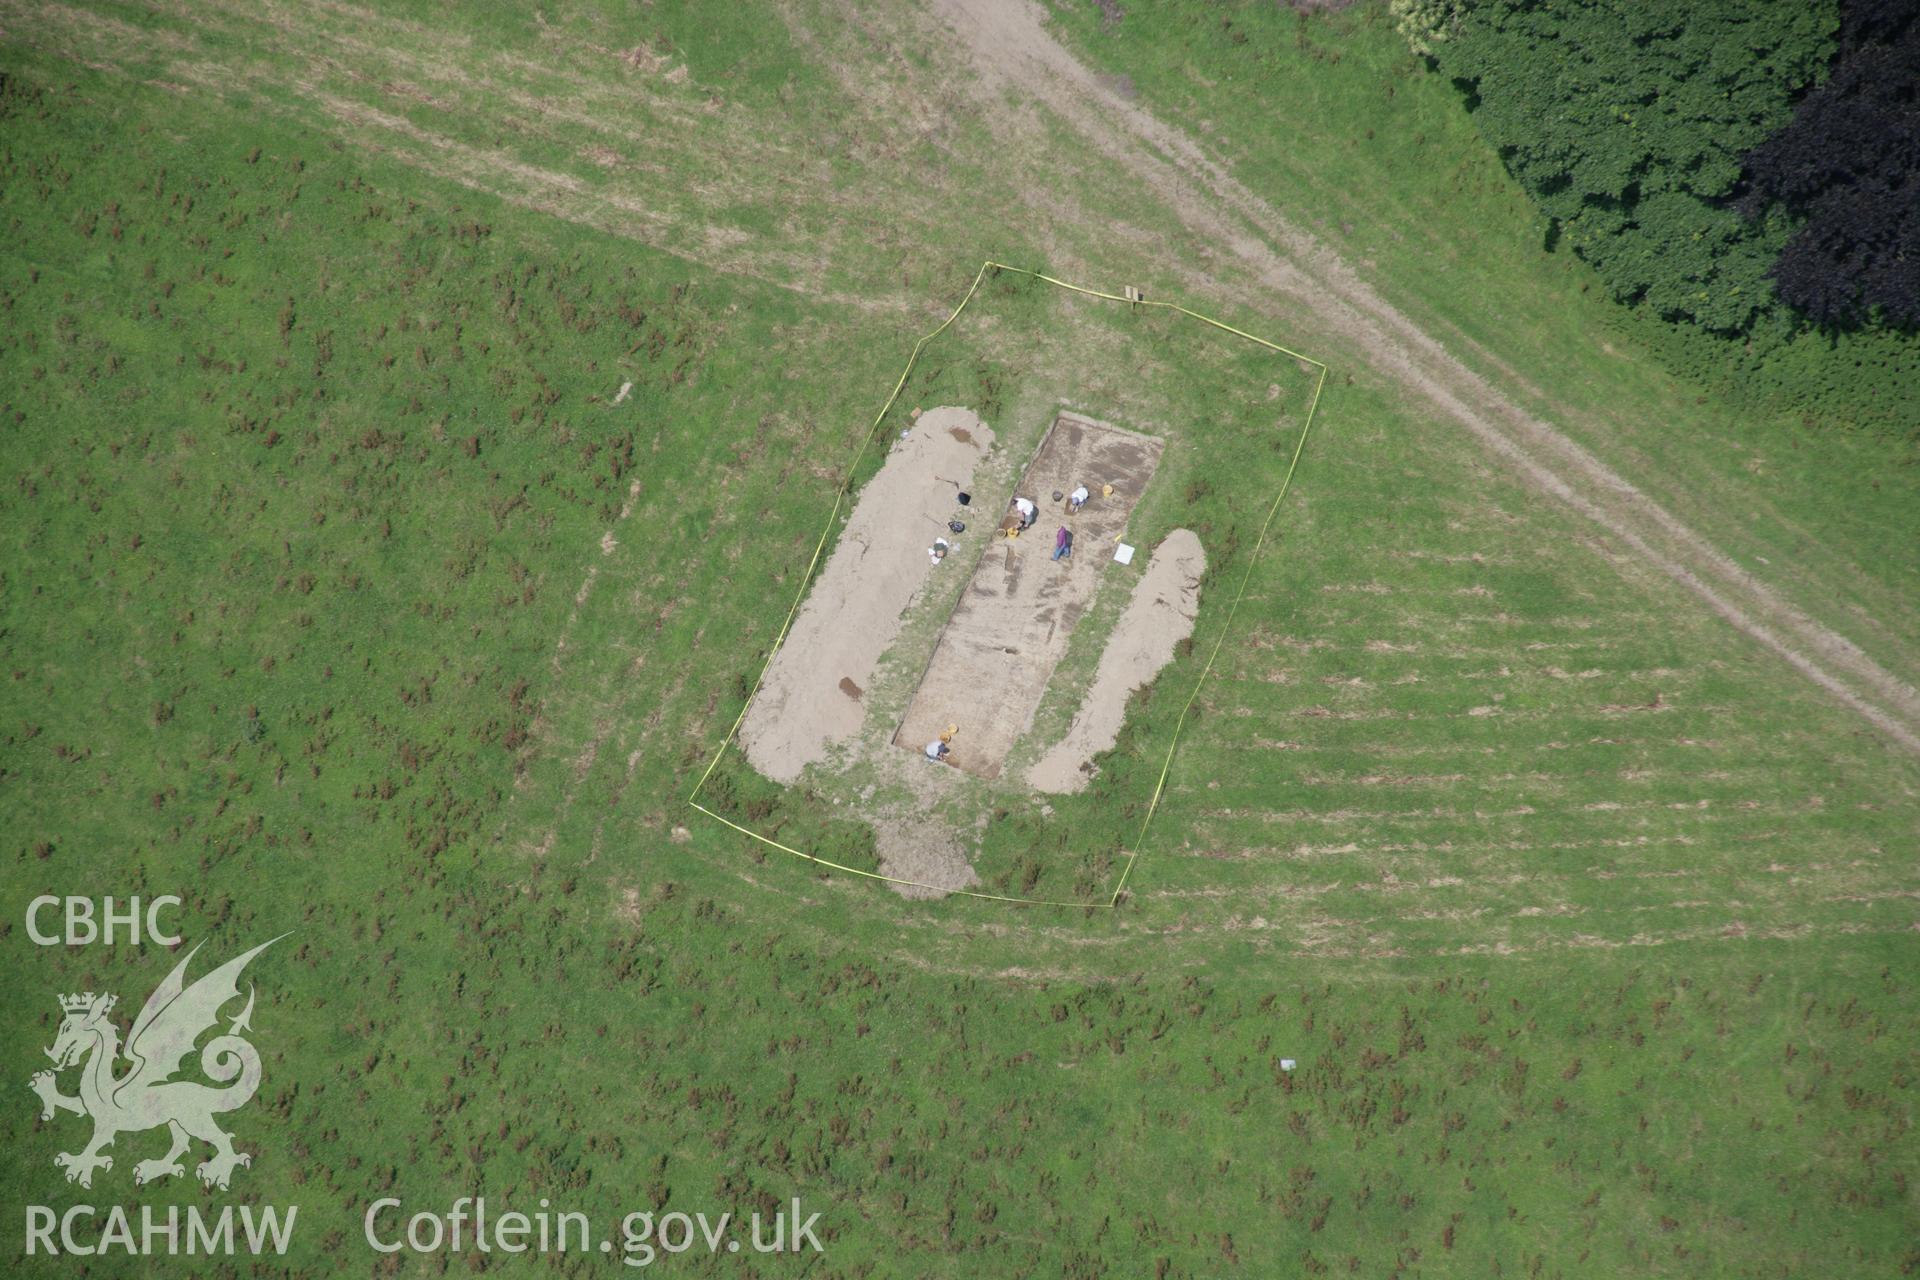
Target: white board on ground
{"type": "Point", "coordinates": [811, 696]}
{"type": "Point", "coordinates": [1158, 616]}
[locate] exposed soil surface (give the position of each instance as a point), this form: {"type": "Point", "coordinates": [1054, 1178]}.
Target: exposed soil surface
{"type": "Point", "coordinates": [809, 699]}
{"type": "Point", "coordinates": [927, 852]}
{"type": "Point", "coordinates": [1010, 628]}
{"type": "Point", "coordinates": [1157, 618]}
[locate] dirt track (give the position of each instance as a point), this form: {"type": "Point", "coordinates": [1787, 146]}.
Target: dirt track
{"type": "Point", "coordinates": [1010, 630]}
{"type": "Point", "coordinates": [1015, 54]}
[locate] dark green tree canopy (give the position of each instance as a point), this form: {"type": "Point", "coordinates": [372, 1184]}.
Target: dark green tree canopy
{"type": "Point", "coordinates": [1628, 122]}
{"type": "Point", "coordinates": [1847, 170]}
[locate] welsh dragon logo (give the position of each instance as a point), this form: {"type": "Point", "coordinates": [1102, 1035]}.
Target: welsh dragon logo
{"type": "Point", "coordinates": [147, 1096]}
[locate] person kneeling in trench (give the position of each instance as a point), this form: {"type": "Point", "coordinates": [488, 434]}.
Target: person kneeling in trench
{"type": "Point", "coordinates": [938, 751]}
{"type": "Point", "coordinates": [1027, 510]}
{"type": "Point", "coordinates": [1063, 544]}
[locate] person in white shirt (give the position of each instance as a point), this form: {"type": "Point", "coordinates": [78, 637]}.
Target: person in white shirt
{"type": "Point", "coordinates": [938, 551]}
{"type": "Point", "coordinates": [1029, 511]}
{"type": "Point", "coordinates": [1077, 499]}
{"type": "Point", "coordinates": [938, 750]}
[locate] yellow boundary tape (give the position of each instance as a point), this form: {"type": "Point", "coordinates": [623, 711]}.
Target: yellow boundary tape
{"type": "Point", "coordinates": [839, 499]}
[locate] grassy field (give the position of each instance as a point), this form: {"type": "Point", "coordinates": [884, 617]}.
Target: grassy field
{"type": "Point", "coordinates": [342, 597]}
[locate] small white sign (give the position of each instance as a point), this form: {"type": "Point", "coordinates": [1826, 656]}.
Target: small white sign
{"type": "Point", "coordinates": [1123, 553]}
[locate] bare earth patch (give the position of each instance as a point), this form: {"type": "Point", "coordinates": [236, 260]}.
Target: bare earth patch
{"type": "Point", "coordinates": [1158, 617]}
{"type": "Point", "coordinates": [855, 607]}
{"type": "Point", "coordinates": [925, 852]}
